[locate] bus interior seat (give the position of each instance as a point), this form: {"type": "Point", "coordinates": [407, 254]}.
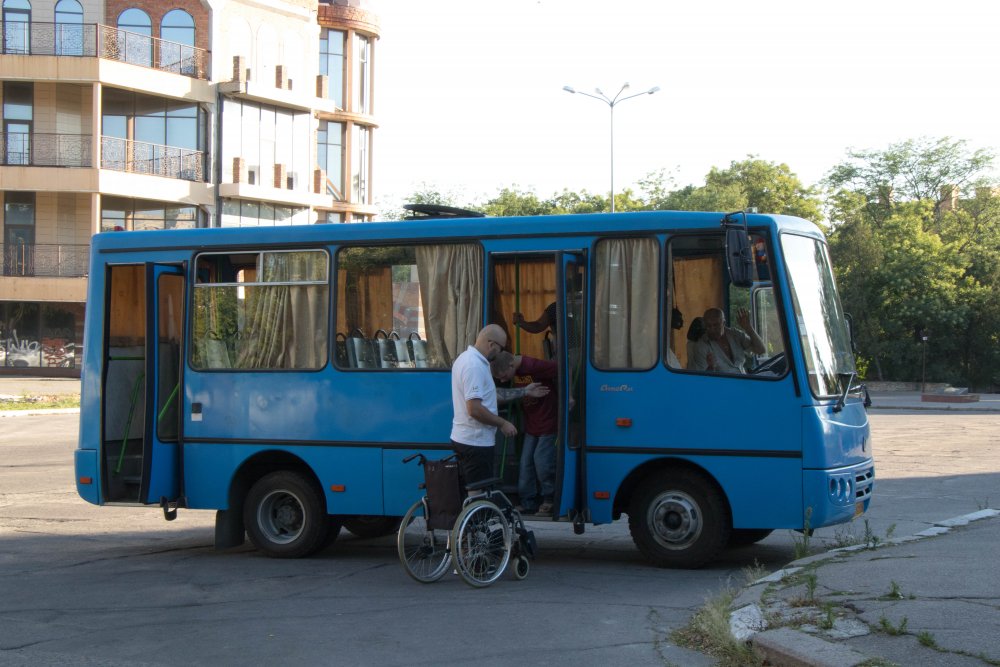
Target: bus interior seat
{"type": "Point", "coordinates": [418, 350]}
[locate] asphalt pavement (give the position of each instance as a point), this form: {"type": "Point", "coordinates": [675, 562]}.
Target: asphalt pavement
{"type": "Point", "coordinates": [932, 598]}
{"type": "Point", "coordinates": [929, 599]}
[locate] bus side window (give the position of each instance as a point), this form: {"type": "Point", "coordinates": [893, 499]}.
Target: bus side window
{"type": "Point", "coordinates": [626, 329]}
{"type": "Point", "coordinates": [698, 284]}
{"type": "Point", "coordinates": [408, 307]}
{"type": "Point", "coordinates": [261, 310]}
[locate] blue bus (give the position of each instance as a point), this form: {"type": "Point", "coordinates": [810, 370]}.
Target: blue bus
{"type": "Point", "coordinates": [280, 375]}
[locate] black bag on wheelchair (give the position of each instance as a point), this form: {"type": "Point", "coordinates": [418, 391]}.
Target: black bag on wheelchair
{"type": "Point", "coordinates": [444, 493]}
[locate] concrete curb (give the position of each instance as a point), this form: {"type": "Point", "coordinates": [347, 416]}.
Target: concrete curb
{"type": "Point", "coordinates": [787, 647]}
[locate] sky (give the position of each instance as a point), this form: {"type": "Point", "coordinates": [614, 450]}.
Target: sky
{"type": "Point", "coordinates": [469, 93]}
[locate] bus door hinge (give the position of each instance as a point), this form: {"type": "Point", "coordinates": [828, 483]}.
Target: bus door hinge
{"type": "Point", "coordinates": [169, 508]}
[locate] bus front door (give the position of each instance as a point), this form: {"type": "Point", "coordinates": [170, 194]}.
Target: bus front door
{"type": "Point", "coordinates": [571, 478]}
{"type": "Point", "coordinates": [161, 475]}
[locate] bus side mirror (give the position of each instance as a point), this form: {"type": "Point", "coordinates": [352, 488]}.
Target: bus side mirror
{"type": "Point", "coordinates": [849, 321]}
{"type": "Point", "coordinates": [739, 257]}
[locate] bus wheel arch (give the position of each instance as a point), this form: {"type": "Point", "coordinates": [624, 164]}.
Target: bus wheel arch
{"type": "Point", "coordinates": [282, 505]}
{"type": "Point", "coordinates": [679, 516]}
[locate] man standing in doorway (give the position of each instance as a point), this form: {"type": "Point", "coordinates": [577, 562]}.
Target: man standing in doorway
{"type": "Point", "coordinates": [474, 400]}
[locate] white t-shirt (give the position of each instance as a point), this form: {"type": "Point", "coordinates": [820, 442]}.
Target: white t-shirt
{"type": "Point", "coordinates": [471, 378]}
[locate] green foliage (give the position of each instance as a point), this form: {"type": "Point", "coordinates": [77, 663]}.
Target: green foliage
{"type": "Point", "coordinates": [916, 245]}
{"type": "Point", "coordinates": [766, 186]}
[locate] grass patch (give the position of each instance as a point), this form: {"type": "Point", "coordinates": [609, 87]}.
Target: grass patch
{"type": "Point", "coordinates": [886, 626]}
{"type": "Point", "coordinates": [708, 632]}
{"type": "Point", "coordinates": [41, 402]}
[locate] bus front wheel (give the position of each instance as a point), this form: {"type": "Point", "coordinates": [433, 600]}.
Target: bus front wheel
{"type": "Point", "coordinates": [285, 516]}
{"type": "Point", "coordinates": [678, 518]}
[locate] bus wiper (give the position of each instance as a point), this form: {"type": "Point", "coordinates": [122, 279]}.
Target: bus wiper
{"type": "Point", "coordinates": [842, 401]}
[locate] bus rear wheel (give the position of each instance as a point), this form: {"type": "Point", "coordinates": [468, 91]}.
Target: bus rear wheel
{"type": "Point", "coordinates": [285, 516]}
{"type": "Point", "coordinates": [678, 518]}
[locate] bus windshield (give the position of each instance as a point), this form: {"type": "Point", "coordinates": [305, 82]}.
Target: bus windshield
{"type": "Point", "coordinates": [826, 342]}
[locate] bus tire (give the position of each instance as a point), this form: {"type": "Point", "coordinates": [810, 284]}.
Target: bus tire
{"type": "Point", "coordinates": [285, 516]}
{"type": "Point", "coordinates": [678, 518]}
{"type": "Point", "coordinates": [369, 526]}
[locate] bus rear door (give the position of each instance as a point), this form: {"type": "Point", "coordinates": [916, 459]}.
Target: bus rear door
{"type": "Point", "coordinates": [142, 376]}
{"type": "Point", "coordinates": [571, 477]}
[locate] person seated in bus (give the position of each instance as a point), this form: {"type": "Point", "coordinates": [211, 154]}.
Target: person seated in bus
{"type": "Point", "coordinates": [723, 349]}
{"type": "Point", "coordinates": [695, 331]}
{"type": "Point", "coordinates": [676, 324]}
{"type": "Point", "coordinates": [474, 405]}
{"type": "Point", "coordinates": [537, 471]}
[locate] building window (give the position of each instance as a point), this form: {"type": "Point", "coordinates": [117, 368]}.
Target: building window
{"type": "Point", "coordinates": [18, 113]}
{"type": "Point", "coordinates": [69, 28]}
{"type": "Point", "coordinates": [330, 152]}
{"type": "Point", "coordinates": [19, 234]}
{"type": "Point", "coordinates": [177, 52]}
{"type": "Point", "coordinates": [245, 213]}
{"type": "Point", "coordinates": [167, 136]}
{"type": "Point", "coordinates": [135, 37]}
{"type": "Point", "coordinates": [359, 166]}
{"type": "Point", "coordinates": [331, 63]}
{"type": "Point", "coordinates": [361, 96]}
{"type": "Point", "coordinates": [16, 26]}
{"type": "Point", "coordinates": [121, 214]}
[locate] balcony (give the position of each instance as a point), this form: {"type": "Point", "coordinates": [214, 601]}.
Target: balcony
{"type": "Point", "coordinates": [95, 40]}
{"type": "Point", "coordinates": [39, 149]}
{"type": "Point", "coordinates": [45, 260]}
{"type": "Point", "coordinates": [138, 157]}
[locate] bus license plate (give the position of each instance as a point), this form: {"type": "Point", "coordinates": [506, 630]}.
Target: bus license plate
{"type": "Point", "coordinates": [859, 509]}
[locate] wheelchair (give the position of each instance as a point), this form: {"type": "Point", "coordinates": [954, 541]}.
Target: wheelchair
{"type": "Point", "coordinates": [480, 541]}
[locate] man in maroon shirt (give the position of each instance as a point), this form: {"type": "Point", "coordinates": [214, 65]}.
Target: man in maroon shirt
{"type": "Point", "coordinates": [537, 474]}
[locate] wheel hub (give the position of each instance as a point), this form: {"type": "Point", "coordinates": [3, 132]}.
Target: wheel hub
{"type": "Point", "coordinates": [675, 520]}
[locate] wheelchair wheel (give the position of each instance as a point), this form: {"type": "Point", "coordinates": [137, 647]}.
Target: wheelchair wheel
{"type": "Point", "coordinates": [521, 567]}
{"type": "Point", "coordinates": [481, 543]}
{"type": "Point", "coordinates": [423, 552]}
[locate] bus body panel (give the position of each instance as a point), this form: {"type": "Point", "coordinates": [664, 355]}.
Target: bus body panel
{"type": "Point", "coordinates": [837, 438]}
{"type": "Point", "coordinates": [661, 411]}
{"type": "Point", "coordinates": [327, 405]}
{"type": "Point", "coordinates": [358, 470]}
{"type": "Point", "coordinates": [838, 495]}
{"type": "Point", "coordinates": [761, 491]}
{"type": "Point", "coordinates": [86, 467]}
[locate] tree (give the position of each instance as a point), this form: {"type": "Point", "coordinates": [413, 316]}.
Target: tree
{"type": "Point", "coordinates": [756, 183]}
{"type": "Point", "coordinates": [910, 251]}
{"type": "Point", "coordinates": [917, 169]}
{"type": "Point", "coordinates": [514, 202]}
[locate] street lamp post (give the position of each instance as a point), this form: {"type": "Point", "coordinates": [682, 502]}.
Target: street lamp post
{"type": "Point", "coordinates": [611, 102]}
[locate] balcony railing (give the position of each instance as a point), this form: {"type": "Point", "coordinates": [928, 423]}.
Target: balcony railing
{"type": "Point", "coordinates": [138, 157]}
{"type": "Point", "coordinates": [38, 149]}
{"type": "Point", "coordinates": [38, 38]}
{"type": "Point", "coordinates": [45, 260]}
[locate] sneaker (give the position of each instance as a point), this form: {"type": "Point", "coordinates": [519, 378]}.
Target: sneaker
{"type": "Point", "coordinates": [545, 509]}
{"type": "Point", "coordinates": [524, 510]}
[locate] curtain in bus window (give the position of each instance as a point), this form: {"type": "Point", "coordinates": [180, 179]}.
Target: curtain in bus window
{"type": "Point", "coordinates": [625, 292]}
{"type": "Point", "coordinates": [286, 323]}
{"type": "Point", "coordinates": [451, 285]}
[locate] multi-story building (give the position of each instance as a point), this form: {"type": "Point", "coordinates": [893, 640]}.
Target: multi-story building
{"type": "Point", "coordinates": [127, 115]}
